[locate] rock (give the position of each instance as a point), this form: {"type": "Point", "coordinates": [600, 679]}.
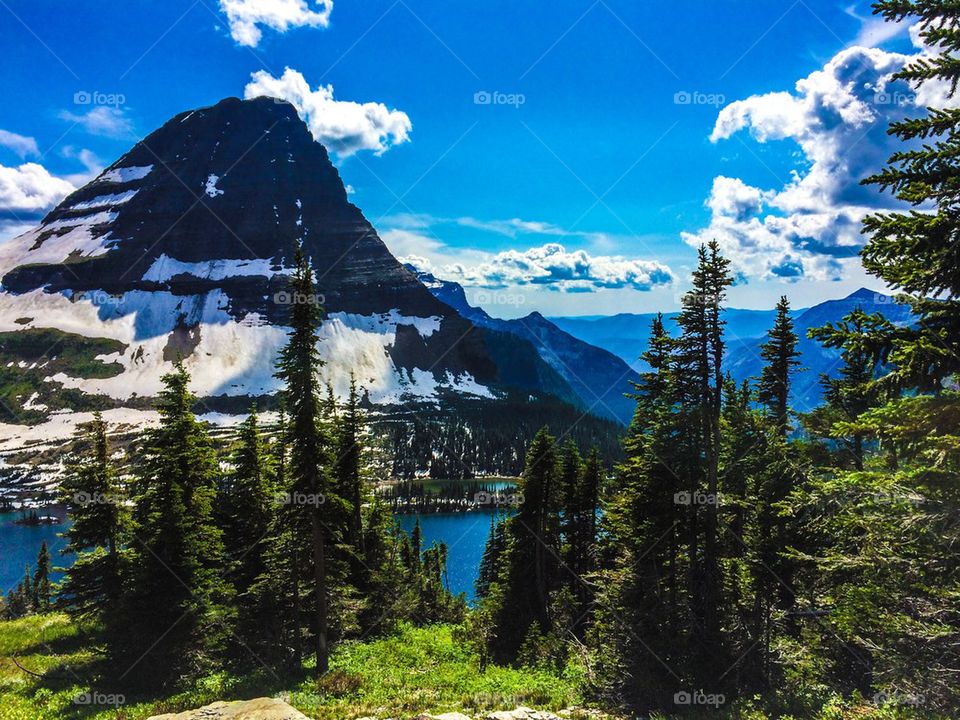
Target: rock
{"type": "Point", "coordinates": [521, 713]}
{"type": "Point", "coordinates": [443, 716]}
{"type": "Point", "coordinates": [256, 709]}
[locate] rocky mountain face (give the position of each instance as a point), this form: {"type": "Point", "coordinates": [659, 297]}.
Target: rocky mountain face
{"type": "Point", "coordinates": [183, 247]}
{"type": "Point", "coordinates": [599, 378]}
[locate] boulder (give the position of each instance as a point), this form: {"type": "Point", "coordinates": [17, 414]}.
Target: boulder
{"type": "Point", "coordinates": [257, 709]}
{"type": "Point", "coordinates": [521, 713]}
{"type": "Point", "coordinates": [443, 716]}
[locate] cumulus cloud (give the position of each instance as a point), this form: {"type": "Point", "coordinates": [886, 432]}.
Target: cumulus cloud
{"type": "Point", "coordinates": [343, 126]}
{"type": "Point", "coordinates": [245, 16]}
{"type": "Point", "coordinates": [30, 189]}
{"type": "Point", "coordinates": [838, 116]}
{"type": "Point", "coordinates": [554, 267]}
{"type": "Point", "coordinates": [20, 144]}
{"type": "Point", "coordinates": [104, 120]}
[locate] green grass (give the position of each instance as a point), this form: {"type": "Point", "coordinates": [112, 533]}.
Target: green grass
{"type": "Point", "coordinates": [416, 670]}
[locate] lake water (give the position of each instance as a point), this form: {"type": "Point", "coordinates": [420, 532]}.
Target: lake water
{"type": "Point", "coordinates": [19, 545]}
{"type": "Point", "coordinates": [464, 533]}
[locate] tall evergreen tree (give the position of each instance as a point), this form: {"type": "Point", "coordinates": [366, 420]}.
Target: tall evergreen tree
{"type": "Point", "coordinates": [780, 353]}
{"type": "Point", "coordinates": [41, 580]}
{"type": "Point", "coordinates": [700, 380]}
{"type": "Point", "coordinates": [177, 601]}
{"type": "Point", "coordinates": [349, 471]}
{"type": "Point", "coordinates": [96, 504]}
{"type": "Point", "coordinates": [529, 571]}
{"type": "Point", "coordinates": [309, 444]}
{"type": "Point", "coordinates": [245, 505]}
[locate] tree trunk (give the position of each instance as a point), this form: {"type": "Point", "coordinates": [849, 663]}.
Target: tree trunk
{"type": "Point", "coordinates": [320, 584]}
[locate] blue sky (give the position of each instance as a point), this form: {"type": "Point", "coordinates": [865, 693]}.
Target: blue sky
{"type": "Point", "coordinates": [581, 187]}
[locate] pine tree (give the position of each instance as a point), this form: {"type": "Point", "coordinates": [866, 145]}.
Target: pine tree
{"type": "Point", "coordinates": [177, 601]}
{"type": "Point", "coordinates": [530, 569]}
{"type": "Point", "coordinates": [862, 340]}
{"type": "Point", "coordinates": [246, 503]}
{"type": "Point", "coordinates": [781, 353]}
{"type": "Point", "coordinates": [571, 471]}
{"type": "Point", "coordinates": [492, 555]}
{"type": "Point", "coordinates": [700, 381]}
{"type": "Point", "coordinates": [309, 445]}
{"type": "Point", "coordinates": [916, 252]}
{"type": "Point", "coordinates": [641, 596]}
{"type": "Point", "coordinates": [41, 580]}
{"type": "Point", "coordinates": [349, 473]}
{"type": "Point", "coordinates": [95, 501]}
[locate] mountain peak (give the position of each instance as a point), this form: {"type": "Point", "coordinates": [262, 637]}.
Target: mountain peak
{"type": "Point", "coordinates": [864, 294]}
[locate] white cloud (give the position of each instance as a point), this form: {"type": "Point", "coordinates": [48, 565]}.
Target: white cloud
{"type": "Point", "coordinates": [343, 126]}
{"type": "Point", "coordinates": [554, 267]}
{"type": "Point", "coordinates": [30, 189]}
{"type": "Point", "coordinates": [93, 165]}
{"type": "Point", "coordinates": [244, 16]}
{"type": "Point", "coordinates": [838, 116]}
{"type": "Point", "coordinates": [874, 30]}
{"type": "Point", "coordinates": [103, 120]}
{"type": "Point", "coordinates": [20, 144]}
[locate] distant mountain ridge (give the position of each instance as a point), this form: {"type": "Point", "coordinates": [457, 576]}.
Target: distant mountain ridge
{"type": "Point", "coordinates": [598, 377]}
{"type": "Point", "coordinates": [627, 336]}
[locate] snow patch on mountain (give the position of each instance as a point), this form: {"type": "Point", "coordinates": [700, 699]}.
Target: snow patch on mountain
{"type": "Point", "coordinates": [225, 356]}
{"type": "Point", "coordinates": [164, 268]}
{"type": "Point", "coordinates": [211, 186]}
{"type": "Point", "coordinates": [125, 174]}
{"type": "Point", "coordinates": [56, 241]}
{"type": "Point", "coordinates": [104, 201]}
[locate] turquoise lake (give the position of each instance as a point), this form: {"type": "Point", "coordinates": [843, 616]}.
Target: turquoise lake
{"type": "Point", "coordinates": [464, 533]}
{"type": "Point", "coordinates": [19, 545]}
